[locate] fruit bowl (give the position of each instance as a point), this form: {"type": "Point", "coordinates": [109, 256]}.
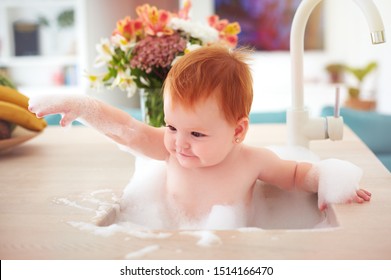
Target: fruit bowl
{"type": "Point", "coordinates": [19, 136]}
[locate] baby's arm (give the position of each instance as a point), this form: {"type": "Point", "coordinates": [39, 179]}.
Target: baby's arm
{"type": "Point", "coordinates": [111, 121]}
{"type": "Point", "coordinates": [323, 178]}
{"type": "Point", "coordinates": [337, 181]}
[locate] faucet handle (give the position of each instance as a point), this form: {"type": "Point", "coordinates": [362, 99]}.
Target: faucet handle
{"type": "Point", "coordinates": [334, 124]}
{"type": "Point", "coordinates": [337, 103]}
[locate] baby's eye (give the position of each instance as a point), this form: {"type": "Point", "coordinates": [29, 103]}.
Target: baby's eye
{"type": "Point", "coordinates": [171, 128]}
{"type": "Point", "coordinates": [197, 134]}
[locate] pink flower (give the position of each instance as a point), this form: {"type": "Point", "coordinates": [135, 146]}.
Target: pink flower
{"type": "Point", "coordinates": [157, 52]}
{"type": "Point", "coordinates": [227, 31]}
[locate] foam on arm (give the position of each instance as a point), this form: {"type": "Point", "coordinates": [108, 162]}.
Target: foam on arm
{"type": "Point", "coordinates": [337, 181]}
{"type": "Point", "coordinates": [109, 120]}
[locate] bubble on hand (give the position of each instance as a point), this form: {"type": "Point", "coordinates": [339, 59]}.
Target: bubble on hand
{"type": "Point", "coordinates": [338, 181]}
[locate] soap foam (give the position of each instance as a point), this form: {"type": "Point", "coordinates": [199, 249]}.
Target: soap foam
{"type": "Point", "coordinates": [144, 202]}
{"type": "Point", "coordinates": [207, 238]}
{"type": "Point", "coordinates": [80, 107]}
{"type": "Point", "coordinates": [74, 105]}
{"type": "Point", "coordinates": [338, 180]}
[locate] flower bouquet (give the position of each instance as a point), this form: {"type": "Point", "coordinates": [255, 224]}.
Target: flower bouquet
{"type": "Point", "coordinates": [141, 51]}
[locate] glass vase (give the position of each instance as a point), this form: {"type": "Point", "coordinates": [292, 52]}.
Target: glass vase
{"type": "Point", "coordinates": [151, 104]}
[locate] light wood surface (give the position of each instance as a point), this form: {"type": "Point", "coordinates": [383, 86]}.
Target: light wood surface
{"type": "Point", "coordinates": [37, 178]}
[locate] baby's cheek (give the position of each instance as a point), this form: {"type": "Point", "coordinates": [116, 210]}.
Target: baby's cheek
{"type": "Point", "coordinates": [169, 142]}
{"type": "Point", "coordinates": [207, 155]}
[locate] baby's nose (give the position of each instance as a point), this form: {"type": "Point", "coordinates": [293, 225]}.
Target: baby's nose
{"type": "Point", "coordinates": [181, 142]}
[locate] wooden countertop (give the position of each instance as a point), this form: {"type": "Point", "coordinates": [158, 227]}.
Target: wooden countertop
{"type": "Point", "coordinates": [37, 177]}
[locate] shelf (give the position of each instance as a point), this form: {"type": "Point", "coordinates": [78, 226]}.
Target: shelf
{"type": "Point", "coordinates": [57, 67]}
{"type": "Point", "coordinates": [35, 3]}
{"type": "Point", "coordinates": [64, 53]}
{"type": "Point", "coordinates": [23, 61]}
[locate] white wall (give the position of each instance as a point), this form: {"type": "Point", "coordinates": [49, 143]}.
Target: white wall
{"type": "Point", "coordinates": [101, 17]}
{"type": "Point", "coordinates": [347, 40]}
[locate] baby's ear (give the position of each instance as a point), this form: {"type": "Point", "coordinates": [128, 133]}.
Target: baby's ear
{"type": "Point", "coordinates": [241, 128]}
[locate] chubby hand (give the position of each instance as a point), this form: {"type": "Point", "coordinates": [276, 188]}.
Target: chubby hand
{"type": "Point", "coordinates": [360, 196]}
{"type": "Point", "coordinates": [338, 182]}
{"type": "Point", "coordinates": [70, 106]}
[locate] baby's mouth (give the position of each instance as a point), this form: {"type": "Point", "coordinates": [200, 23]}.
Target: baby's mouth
{"type": "Point", "coordinates": [185, 155]}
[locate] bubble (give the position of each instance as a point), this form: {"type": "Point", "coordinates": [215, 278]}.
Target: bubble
{"type": "Point", "coordinates": [338, 180]}
{"type": "Point", "coordinates": [144, 203]}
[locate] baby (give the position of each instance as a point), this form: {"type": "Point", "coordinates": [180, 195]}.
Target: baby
{"type": "Point", "coordinates": [207, 100]}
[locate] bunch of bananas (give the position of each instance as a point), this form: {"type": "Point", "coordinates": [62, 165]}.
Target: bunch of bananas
{"type": "Point", "coordinates": [14, 110]}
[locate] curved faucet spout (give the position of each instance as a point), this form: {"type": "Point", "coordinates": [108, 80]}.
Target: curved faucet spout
{"type": "Point", "coordinates": [374, 20]}
{"type": "Point", "coordinates": [298, 114]}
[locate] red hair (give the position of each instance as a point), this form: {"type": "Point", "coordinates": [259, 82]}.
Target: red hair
{"type": "Point", "coordinates": [213, 70]}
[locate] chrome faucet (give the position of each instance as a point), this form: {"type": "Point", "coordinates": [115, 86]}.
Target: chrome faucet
{"type": "Point", "coordinates": [301, 128]}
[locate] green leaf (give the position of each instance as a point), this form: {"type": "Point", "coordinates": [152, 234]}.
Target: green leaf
{"type": "Point", "coordinates": [361, 73]}
{"type": "Point", "coordinates": [4, 81]}
{"type": "Point", "coordinates": [107, 77]}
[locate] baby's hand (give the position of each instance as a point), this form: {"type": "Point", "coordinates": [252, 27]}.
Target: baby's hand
{"type": "Point", "coordinates": [360, 196]}
{"type": "Point", "coordinates": [70, 106]}
{"type": "Point", "coordinates": [338, 182]}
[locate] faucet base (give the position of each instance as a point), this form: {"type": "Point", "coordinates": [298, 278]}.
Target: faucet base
{"type": "Point", "coordinates": [296, 120]}
{"type": "Point", "coordinates": [302, 129]}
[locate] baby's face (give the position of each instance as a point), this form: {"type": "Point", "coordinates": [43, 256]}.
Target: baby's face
{"type": "Point", "coordinates": [197, 138]}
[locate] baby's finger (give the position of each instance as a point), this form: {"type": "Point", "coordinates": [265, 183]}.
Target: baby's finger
{"type": "Point", "coordinates": [363, 194]}
{"type": "Point", "coordinates": [41, 112]}
{"type": "Point", "coordinates": [67, 119]}
{"type": "Point", "coordinates": [358, 199]}
{"type": "Point", "coordinates": [366, 192]}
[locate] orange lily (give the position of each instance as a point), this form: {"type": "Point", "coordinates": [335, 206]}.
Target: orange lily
{"type": "Point", "coordinates": [155, 21]}
{"type": "Point", "coordinates": [129, 29]}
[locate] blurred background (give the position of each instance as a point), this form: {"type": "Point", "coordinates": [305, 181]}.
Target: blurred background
{"type": "Point", "coordinates": [47, 45]}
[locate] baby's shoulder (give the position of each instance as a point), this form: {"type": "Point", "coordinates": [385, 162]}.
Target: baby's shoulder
{"type": "Point", "coordinates": [257, 153]}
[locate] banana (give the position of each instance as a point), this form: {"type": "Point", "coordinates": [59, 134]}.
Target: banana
{"type": "Point", "coordinates": [11, 95]}
{"type": "Point", "coordinates": [16, 114]}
